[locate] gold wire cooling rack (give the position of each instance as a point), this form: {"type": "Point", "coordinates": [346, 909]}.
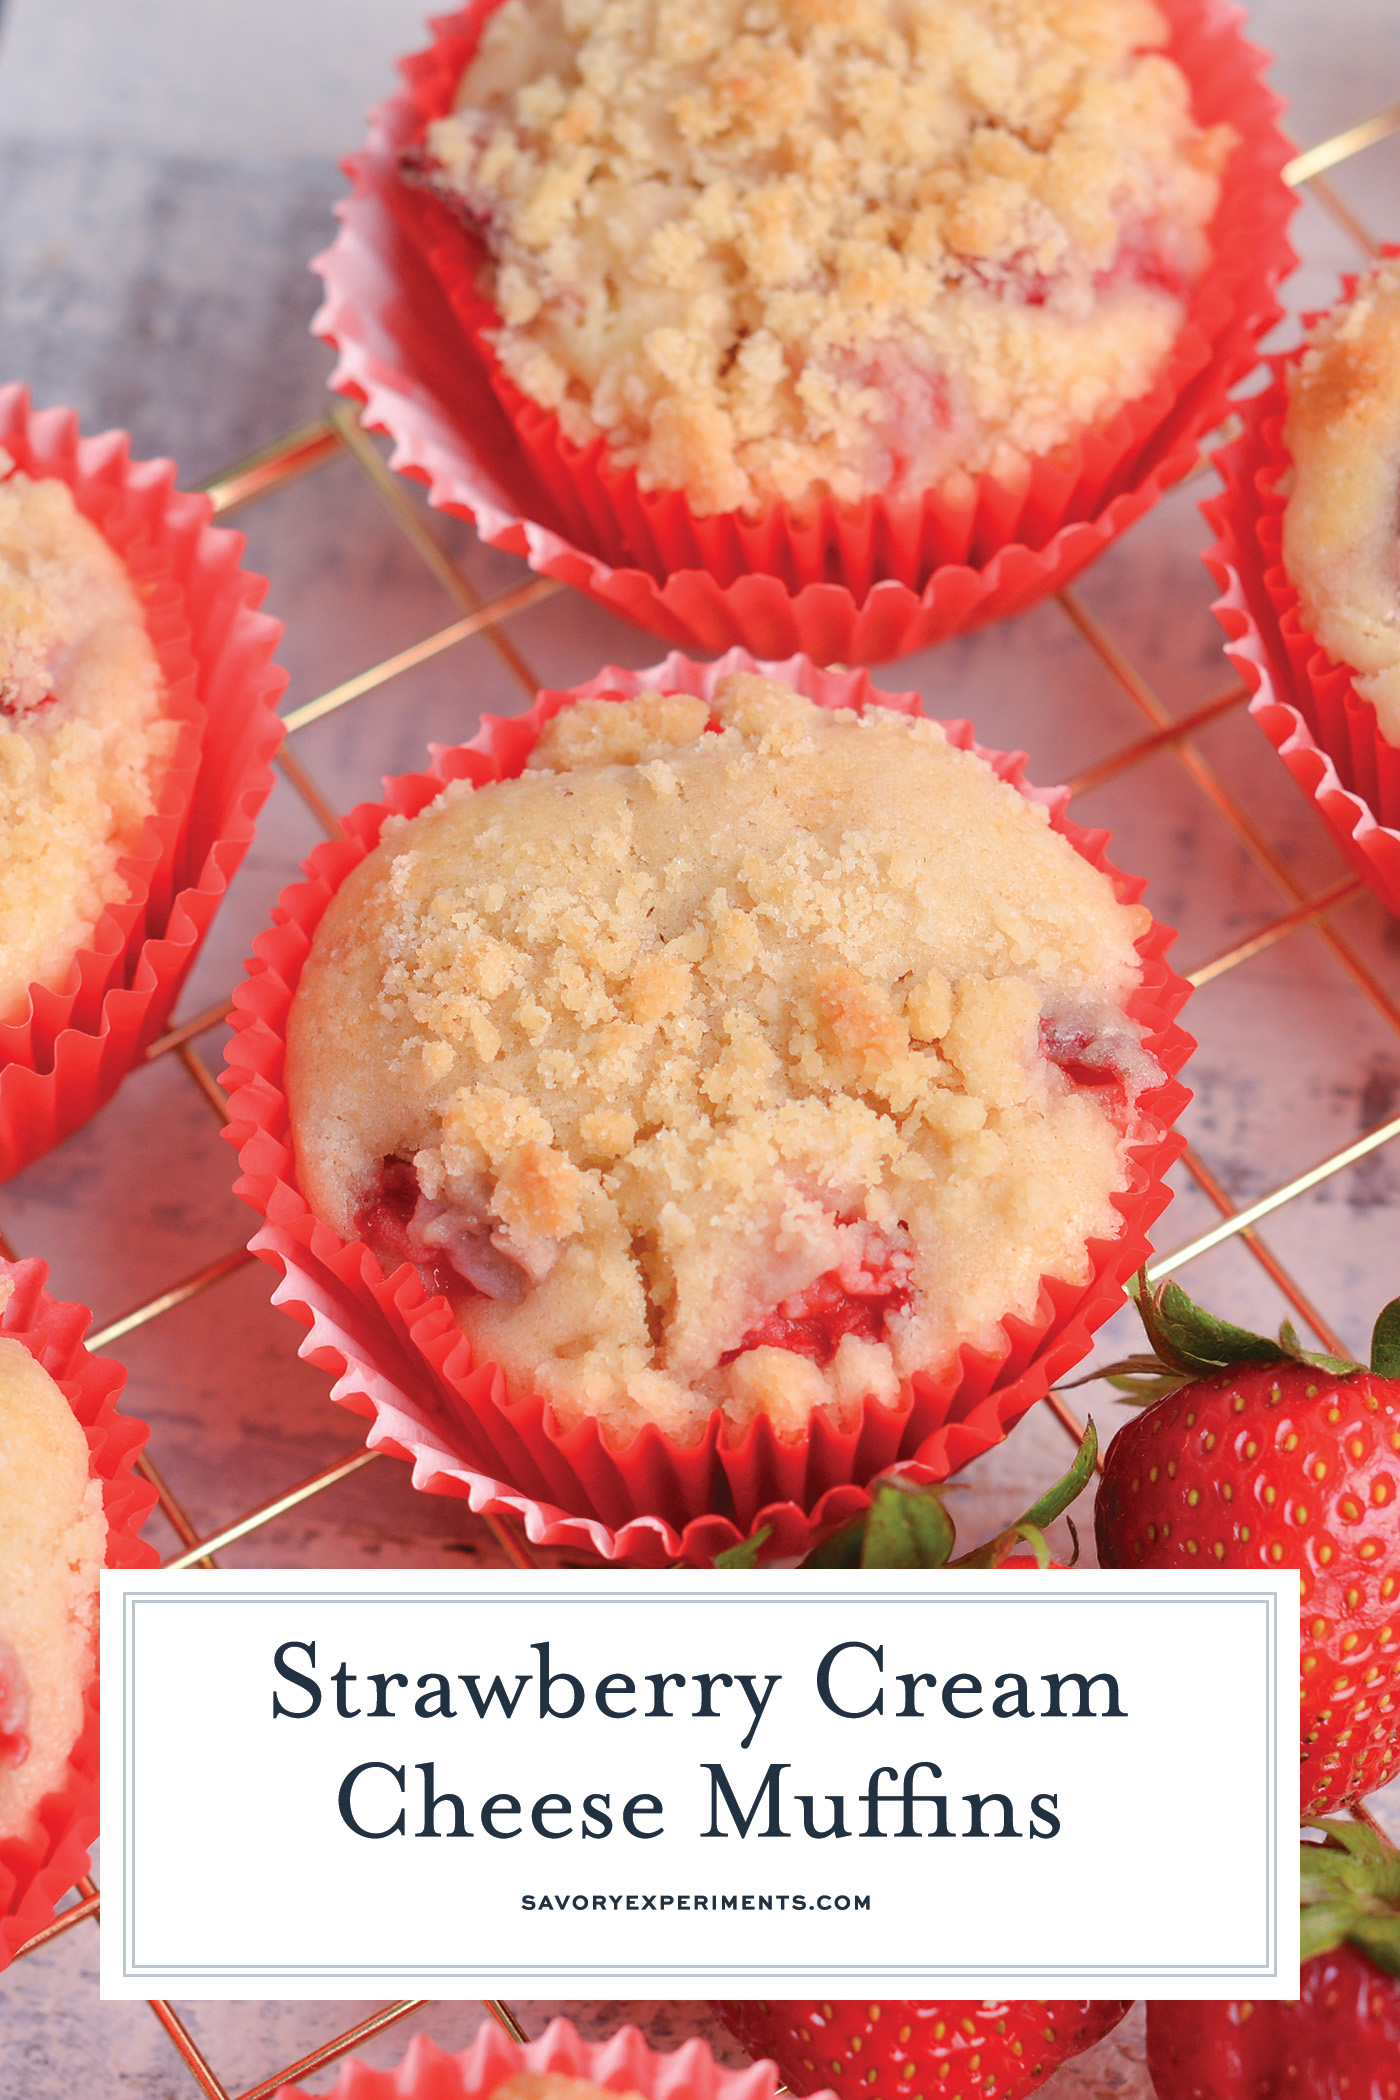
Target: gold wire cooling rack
{"type": "Point", "coordinates": [338, 433]}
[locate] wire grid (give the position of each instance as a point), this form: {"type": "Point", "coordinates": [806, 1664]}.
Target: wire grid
{"type": "Point", "coordinates": [339, 433]}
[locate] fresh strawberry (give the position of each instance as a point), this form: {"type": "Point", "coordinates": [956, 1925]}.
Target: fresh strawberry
{"type": "Point", "coordinates": [898, 2050]}
{"type": "Point", "coordinates": [1262, 1455]}
{"type": "Point", "coordinates": [1339, 2040]}
{"type": "Point", "coordinates": [895, 2050]}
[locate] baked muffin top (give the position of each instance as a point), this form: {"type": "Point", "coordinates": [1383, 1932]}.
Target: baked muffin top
{"type": "Point", "coordinates": [52, 1538]}
{"type": "Point", "coordinates": [775, 248]}
{"type": "Point", "coordinates": [552, 2085]}
{"type": "Point", "coordinates": [84, 739]}
{"type": "Point", "coordinates": [752, 1058]}
{"type": "Point", "coordinates": [1341, 536]}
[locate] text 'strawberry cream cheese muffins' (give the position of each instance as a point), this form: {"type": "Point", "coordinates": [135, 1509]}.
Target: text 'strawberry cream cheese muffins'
{"type": "Point", "coordinates": [85, 738]}
{"type": "Point", "coordinates": [772, 252]}
{"type": "Point", "coordinates": [52, 1535]}
{"type": "Point", "coordinates": [1309, 553]}
{"type": "Point", "coordinates": [69, 1503]}
{"type": "Point", "coordinates": [699, 1094]}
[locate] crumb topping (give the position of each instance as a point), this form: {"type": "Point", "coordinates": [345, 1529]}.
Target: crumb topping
{"type": "Point", "coordinates": [1341, 526]}
{"type": "Point", "coordinates": [755, 1061]}
{"type": "Point", "coordinates": [52, 1538]}
{"type": "Point", "coordinates": [775, 248]}
{"type": "Point", "coordinates": [84, 738]}
{"type": "Point", "coordinates": [552, 2085]}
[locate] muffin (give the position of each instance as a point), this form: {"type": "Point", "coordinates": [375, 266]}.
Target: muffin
{"type": "Point", "coordinates": [69, 1501]}
{"type": "Point", "coordinates": [782, 252]}
{"type": "Point", "coordinates": [557, 2065]}
{"type": "Point", "coordinates": [422, 309]}
{"type": "Point", "coordinates": [1342, 434]}
{"type": "Point", "coordinates": [742, 1058]}
{"type": "Point", "coordinates": [52, 1537]}
{"type": "Point", "coordinates": [1306, 554]}
{"type": "Point", "coordinates": [137, 724]}
{"type": "Point", "coordinates": [85, 738]}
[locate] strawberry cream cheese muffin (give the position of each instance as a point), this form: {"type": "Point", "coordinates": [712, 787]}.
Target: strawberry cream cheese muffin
{"type": "Point", "coordinates": [774, 250]}
{"type": "Point", "coordinates": [551, 2085]}
{"type": "Point", "coordinates": [85, 738]}
{"type": "Point", "coordinates": [52, 1536]}
{"type": "Point", "coordinates": [751, 1057]}
{"type": "Point", "coordinates": [1342, 430]}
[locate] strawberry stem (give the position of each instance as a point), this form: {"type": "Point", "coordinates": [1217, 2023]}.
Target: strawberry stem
{"type": "Point", "coordinates": [745, 1554]}
{"type": "Point", "coordinates": [1188, 1343]}
{"type": "Point", "coordinates": [1351, 1891]}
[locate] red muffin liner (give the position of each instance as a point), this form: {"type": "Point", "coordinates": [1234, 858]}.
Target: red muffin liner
{"type": "Point", "coordinates": [1305, 703]}
{"type": "Point", "coordinates": [70, 1051]}
{"type": "Point", "coordinates": [36, 1873]}
{"type": "Point", "coordinates": [622, 2064]}
{"type": "Point", "coordinates": [859, 584]}
{"type": "Point", "coordinates": [399, 1358]}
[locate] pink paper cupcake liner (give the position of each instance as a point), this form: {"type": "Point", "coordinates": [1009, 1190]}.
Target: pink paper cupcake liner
{"type": "Point", "coordinates": [856, 585]}
{"type": "Point", "coordinates": [399, 1358]}
{"type": "Point", "coordinates": [35, 1873]}
{"type": "Point", "coordinates": [622, 2064]}
{"type": "Point", "coordinates": [1307, 705]}
{"type": "Point", "coordinates": [70, 1051]}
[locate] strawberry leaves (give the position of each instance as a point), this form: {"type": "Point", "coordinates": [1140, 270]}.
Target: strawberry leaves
{"type": "Point", "coordinates": [1189, 1343]}
{"type": "Point", "coordinates": [745, 1554]}
{"type": "Point", "coordinates": [1351, 1891]}
{"type": "Point", "coordinates": [1030, 1528]}
{"type": "Point", "coordinates": [907, 1526]}
{"type": "Point", "coordinates": [1385, 1342]}
{"type": "Point", "coordinates": [907, 1530]}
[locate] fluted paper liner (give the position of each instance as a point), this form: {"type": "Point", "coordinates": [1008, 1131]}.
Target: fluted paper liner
{"type": "Point", "coordinates": [70, 1051]}
{"type": "Point", "coordinates": [856, 585]}
{"type": "Point", "coordinates": [622, 2064]}
{"type": "Point", "coordinates": [399, 1358]}
{"type": "Point", "coordinates": [1305, 703]}
{"type": "Point", "coordinates": [37, 1872]}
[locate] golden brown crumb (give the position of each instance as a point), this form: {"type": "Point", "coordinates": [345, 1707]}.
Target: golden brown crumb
{"type": "Point", "coordinates": [84, 739]}
{"type": "Point", "coordinates": [641, 1070]}
{"type": "Point", "coordinates": [775, 247]}
{"type": "Point", "coordinates": [553, 2085]}
{"type": "Point", "coordinates": [1340, 544]}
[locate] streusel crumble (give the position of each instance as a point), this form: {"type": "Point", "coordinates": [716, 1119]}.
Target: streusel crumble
{"type": "Point", "coordinates": [1341, 535]}
{"type": "Point", "coordinates": [753, 1060]}
{"type": "Point", "coordinates": [552, 2085]}
{"type": "Point", "coordinates": [777, 248]}
{"type": "Point", "coordinates": [52, 1538]}
{"type": "Point", "coordinates": [84, 737]}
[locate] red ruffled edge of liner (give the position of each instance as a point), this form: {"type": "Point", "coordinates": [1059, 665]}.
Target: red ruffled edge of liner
{"type": "Point", "coordinates": [622, 2064]}
{"type": "Point", "coordinates": [390, 279]}
{"type": "Point", "coordinates": [1305, 703]}
{"type": "Point", "coordinates": [35, 1874]}
{"type": "Point", "coordinates": [399, 1358]}
{"type": "Point", "coordinates": [70, 1051]}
